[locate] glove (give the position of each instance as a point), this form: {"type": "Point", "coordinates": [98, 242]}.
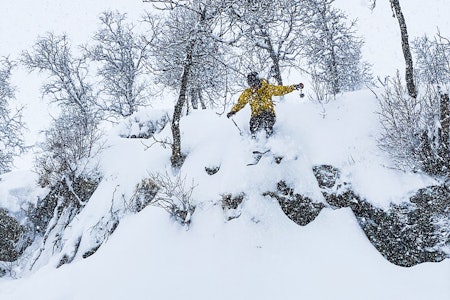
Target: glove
{"type": "Point", "coordinates": [231, 113]}
{"type": "Point", "coordinates": [299, 86]}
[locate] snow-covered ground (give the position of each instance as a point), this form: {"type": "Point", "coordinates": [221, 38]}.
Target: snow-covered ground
{"type": "Point", "coordinates": [262, 254]}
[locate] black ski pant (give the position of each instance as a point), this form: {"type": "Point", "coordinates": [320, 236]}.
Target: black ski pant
{"type": "Point", "coordinates": [264, 120]}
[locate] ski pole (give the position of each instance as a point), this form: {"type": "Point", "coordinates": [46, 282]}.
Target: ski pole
{"type": "Point", "coordinates": [301, 93]}
{"type": "Point", "coordinates": [240, 131]}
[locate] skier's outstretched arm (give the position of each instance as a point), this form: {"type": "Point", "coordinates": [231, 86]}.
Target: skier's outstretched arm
{"type": "Point", "coordinates": [280, 90]}
{"type": "Point", "coordinates": [242, 101]}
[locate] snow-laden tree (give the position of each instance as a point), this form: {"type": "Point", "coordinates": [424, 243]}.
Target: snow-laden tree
{"type": "Point", "coordinates": [428, 148]}
{"type": "Point", "coordinates": [271, 34]}
{"type": "Point", "coordinates": [410, 127]}
{"type": "Point", "coordinates": [193, 32]}
{"type": "Point", "coordinates": [432, 60]}
{"type": "Point", "coordinates": [11, 126]}
{"type": "Point", "coordinates": [75, 132]}
{"type": "Point", "coordinates": [69, 150]}
{"type": "Point", "coordinates": [122, 54]}
{"type": "Point", "coordinates": [433, 76]}
{"type": "Point", "coordinates": [67, 83]}
{"type": "Point", "coordinates": [417, 129]}
{"type": "Point", "coordinates": [402, 120]}
{"type": "Point", "coordinates": [68, 166]}
{"type": "Point", "coordinates": [190, 56]}
{"type": "Point", "coordinates": [332, 49]}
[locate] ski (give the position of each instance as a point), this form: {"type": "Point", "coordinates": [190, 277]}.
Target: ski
{"type": "Point", "coordinates": [257, 155]}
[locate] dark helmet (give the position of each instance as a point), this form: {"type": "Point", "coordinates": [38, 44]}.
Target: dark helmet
{"type": "Point", "coordinates": [253, 79]}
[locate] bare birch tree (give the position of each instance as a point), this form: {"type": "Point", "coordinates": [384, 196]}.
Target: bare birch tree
{"type": "Point", "coordinates": [11, 126]}
{"type": "Point", "coordinates": [417, 130]}
{"type": "Point", "coordinates": [67, 84]}
{"type": "Point", "coordinates": [122, 55]}
{"type": "Point", "coordinates": [190, 54]}
{"type": "Point", "coordinates": [74, 134]}
{"type": "Point", "coordinates": [271, 31]}
{"type": "Point", "coordinates": [409, 73]}
{"type": "Point", "coordinates": [332, 48]}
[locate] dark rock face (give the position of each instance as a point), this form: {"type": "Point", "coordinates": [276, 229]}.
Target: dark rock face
{"type": "Point", "coordinates": [10, 234]}
{"type": "Point", "coordinates": [61, 198]}
{"type": "Point", "coordinates": [298, 208]}
{"type": "Point", "coordinates": [326, 176]}
{"type": "Point", "coordinates": [231, 205]}
{"type": "Point", "coordinates": [16, 237]}
{"type": "Point", "coordinates": [427, 221]}
{"type": "Point", "coordinates": [406, 234]}
{"type": "Point", "coordinates": [211, 170]}
{"type": "Point", "coordinates": [61, 205]}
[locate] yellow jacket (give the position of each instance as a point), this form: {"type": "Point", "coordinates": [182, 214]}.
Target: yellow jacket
{"type": "Point", "coordinates": [261, 99]}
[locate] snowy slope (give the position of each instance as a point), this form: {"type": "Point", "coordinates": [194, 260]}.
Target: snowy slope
{"type": "Point", "coordinates": [262, 254]}
{"type": "Point", "coordinates": [149, 257]}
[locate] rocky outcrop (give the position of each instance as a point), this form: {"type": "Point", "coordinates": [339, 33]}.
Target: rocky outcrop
{"type": "Point", "coordinates": [408, 234]}
{"type": "Point", "coordinates": [231, 205]}
{"type": "Point", "coordinates": [53, 214]}
{"type": "Point", "coordinates": [10, 237]}
{"type": "Point", "coordinates": [61, 198]}
{"type": "Point", "coordinates": [302, 210]}
{"type": "Point", "coordinates": [414, 232]}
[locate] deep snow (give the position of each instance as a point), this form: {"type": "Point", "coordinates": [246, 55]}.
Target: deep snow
{"type": "Point", "coordinates": [261, 254]}
{"type": "Point", "coordinates": [258, 256]}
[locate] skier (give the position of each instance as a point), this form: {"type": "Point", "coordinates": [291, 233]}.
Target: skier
{"type": "Point", "coordinates": [259, 95]}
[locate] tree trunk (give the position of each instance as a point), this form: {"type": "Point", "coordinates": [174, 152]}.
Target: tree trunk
{"type": "Point", "coordinates": [194, 98]}
{"type": "Point", "coordinates": [334, 81]}
{"type": "Point", "coordinates": [272, 53]}
{"type": "Point", "coordinates": [276, 67]}
{"type": "Point", "coordinates": [335, 86]}
{"type": "Point", "coordinates": [202, 101]}
{"type": "Point", "coordinates": [177, 157]}
{"type": "Point", "coordinates": [395, 4]}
